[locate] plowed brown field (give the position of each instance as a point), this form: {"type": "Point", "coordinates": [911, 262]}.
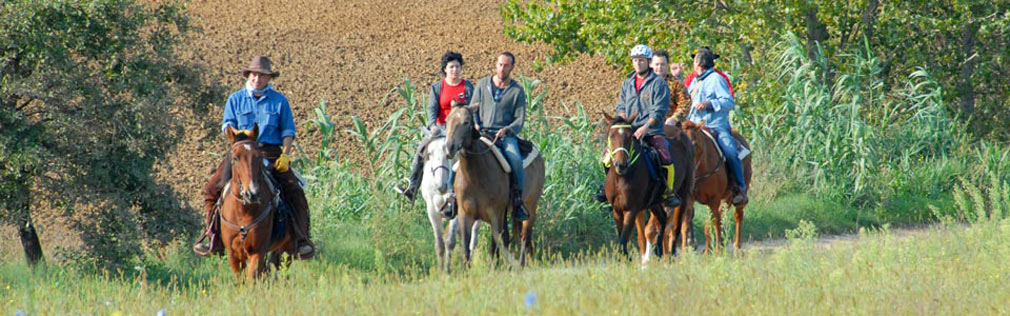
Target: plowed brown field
{"type": "Point", "coordinates": [350, 54]}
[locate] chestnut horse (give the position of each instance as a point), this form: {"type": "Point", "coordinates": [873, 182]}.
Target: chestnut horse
{"type": "Point", "coordinates": [482, 187]}
{"type": "Point", "coordinates": [248, 208]}
{"type": "Point", "coordinates": [630, 189]}
{"type": "Point", "coordinates": [712, 183]}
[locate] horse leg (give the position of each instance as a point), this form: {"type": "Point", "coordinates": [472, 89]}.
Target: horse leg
{"type": "Point", "coordinates": [450, 242]}
{"type": "Point", "coordinates": [465, 222]}
{"type": "Point", "coordinates": [652, 231]}
{"type": "Point", "coordinates": [717, 225]}
{"type": "Point", "coordinates": [236, 264]}
{"type": "Point", "coordinates": [640, 229]}
{"type": "Point", "coordinates": [738, 218]}
{"type": "Point", "coordinates": [673, 228]}
{"type": "Point", "coordinates": [526, 239]}
{"type": "Point", "coordinates": [436, 227]}
{"type": "Point", "coordinates": [626, 227]}
{"type": "Point", "coordinates": [255, 266]}
{"type": "Point", "coordinates": [497, 230]}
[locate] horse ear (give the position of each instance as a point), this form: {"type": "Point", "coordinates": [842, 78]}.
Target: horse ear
{"type": "Point", "coordinates": [607, 116]}
{"type": "Point", "coordinates": [255, 131]}
{"type": "Point", "coordinates": [230, 133]}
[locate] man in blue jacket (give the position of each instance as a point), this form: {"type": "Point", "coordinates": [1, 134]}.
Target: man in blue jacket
{"type": "Point", "coordinates": [259, 104]}
{"type": "Point", "coordinates": [711, 102]}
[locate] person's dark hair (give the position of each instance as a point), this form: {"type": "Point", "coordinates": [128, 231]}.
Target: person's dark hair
{"type": "Point", "coordinates": [512, 57]}
{"type": "Point", "coordinates": [661, 53]}
{"type": "Point", "coordinates": [705, 58]}
{"type": "Point", "coordinates": [450, 56]}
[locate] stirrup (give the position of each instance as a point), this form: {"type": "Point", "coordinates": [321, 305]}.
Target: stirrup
{"type": "Point", "coordinates": [306, 251]}
{"type": "Point", "coordinates": [740, 197]}
{"type": "Point", "coordinates": [519, 210]}
{"type": "Point", "coordinates": [600, 195]}
{"type": "Point", "coordinates": [201, 249]}
{"type": "Point", "coordinates": [672, 200]}
{"type": "Point", "coordinates": [409, 192]}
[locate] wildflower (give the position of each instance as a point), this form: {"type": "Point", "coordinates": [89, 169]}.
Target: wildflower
{"type": "Point", "coordinates": [531, 298]}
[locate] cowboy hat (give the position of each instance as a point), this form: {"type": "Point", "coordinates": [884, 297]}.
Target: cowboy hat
{"type": "Point", "coordinates": [260, 64]}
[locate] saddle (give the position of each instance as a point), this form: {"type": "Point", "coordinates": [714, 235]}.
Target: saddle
{"type": "Point", "coordinates": [527, 150]}
{"type": "Point", "coordinates": [742, 151]}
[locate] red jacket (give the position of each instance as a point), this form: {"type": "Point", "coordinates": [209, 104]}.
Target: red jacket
{"type": "Point", "coordinates": [687, 81]}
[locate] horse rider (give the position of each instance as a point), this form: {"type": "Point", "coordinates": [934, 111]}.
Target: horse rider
{"type": "Point", "coordinates": [502, 113]}
{"type": "Point", "coordinates": [712, 100]}
{"type": "Point", "coordinates": [645, 93]}
{"type": "Point", "coordinates": [451, 88]}
{"type": "Point", "coordinates": [680, 100]}
{"type": "Point", "coordinates": [258, 103]}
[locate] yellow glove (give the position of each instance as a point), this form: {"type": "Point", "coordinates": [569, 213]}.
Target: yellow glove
{"type": "Point", "coordinates": [282, 163]}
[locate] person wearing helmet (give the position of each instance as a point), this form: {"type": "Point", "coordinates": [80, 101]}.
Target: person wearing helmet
{"type": "Point", "coordinates": [647, 96]}
{"type": "Point", "coordinates": [711, 103]}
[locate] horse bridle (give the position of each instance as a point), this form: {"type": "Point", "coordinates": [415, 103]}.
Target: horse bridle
{"type": "Point", "coordinates": [611, 151]}
{"type": "Point", "coordinates": [710, 173]}
{"type": "Point", "coordinates": [244, 229]}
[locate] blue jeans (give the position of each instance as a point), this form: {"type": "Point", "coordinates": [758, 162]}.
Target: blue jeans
{"type": "Point", "coordinates": [510, 146]}
{"type": "Point", "coordinates": [728, 145]}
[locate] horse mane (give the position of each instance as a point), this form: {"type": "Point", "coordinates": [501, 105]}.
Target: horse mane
{"type": "Point", "coordinates": [691, 125]}
{"type": "Point", "coordinates": [242, 137]}
{"type": "Point", "coordinates": [619, 120]}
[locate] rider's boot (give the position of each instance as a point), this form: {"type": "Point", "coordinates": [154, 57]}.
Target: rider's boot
{"type": "Point", "coordinates": [519, 212]}
{"type": "Point", "coordinates": [740, 196]}
{"type": "Point", "coordinates": [214, 245]}
{"type": "Point", "coordinates": [450, 208]}
{"type": "Point", "coordinates": [670, 197]}
{"type": "Point", "coordinates": [410, 191]}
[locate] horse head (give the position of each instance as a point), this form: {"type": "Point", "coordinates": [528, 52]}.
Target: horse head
{"type": "Point", "coordinates": [246, 164]}
{"type": "Point", "coordinates": [437, 164]}
{"type": "Point", "coordinates": [460, 129]}
{"type": "Point", "coordinates": [621, 149]}
{"type": "Point", "coordinates": [694, 134]}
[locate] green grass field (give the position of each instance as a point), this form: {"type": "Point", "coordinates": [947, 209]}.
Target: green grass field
{"type": "Point", "coordinates": [945, 270]}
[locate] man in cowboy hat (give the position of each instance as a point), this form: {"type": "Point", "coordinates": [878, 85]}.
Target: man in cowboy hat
{"type": "Point", "coordinates": [259, 104]}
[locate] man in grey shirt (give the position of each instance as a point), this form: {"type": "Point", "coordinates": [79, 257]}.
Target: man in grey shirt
{"type": "Point", "coordinates": [502, 112]}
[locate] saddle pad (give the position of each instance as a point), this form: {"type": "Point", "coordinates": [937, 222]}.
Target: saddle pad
{"type": "Point", "coordinates": [742, 151]}
{"type": "Point", "coordinates": [533, 153]}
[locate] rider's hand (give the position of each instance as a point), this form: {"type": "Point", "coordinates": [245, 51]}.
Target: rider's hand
{"type": "Point", "coordinates": [703, 105]}
{"type": "Point", "coordinates": [641, 131]}
{"type": "Point", "coordinates": [282, 163]}
{"type": "Point", "coordinates": [501, 134]}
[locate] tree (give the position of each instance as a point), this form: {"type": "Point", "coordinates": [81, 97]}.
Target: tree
{"type": "Point", "coordinates": [962, 42]}
{"type": "Point", "coordinates": [87, 95]}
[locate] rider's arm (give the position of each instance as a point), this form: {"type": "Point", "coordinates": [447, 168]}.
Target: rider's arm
{"type": "Point", "coordinates": [721, 100]}
{"type": "Point", "coordinates": [620, 108]}
{"type": "Point", "coordinates": [287, 145]}
{"type": "Point", "coordinates": [229, 119]}
{"type": "Point", "coordinates": [477, 98]}
{"type": "Point", "coordinates": [433, 106]}
{"type": "Point", "coordinates": [519, 113]}
{"type": "Point", "coordinates": [286, 121]}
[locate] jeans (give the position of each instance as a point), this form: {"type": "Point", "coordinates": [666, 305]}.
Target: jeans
{"type": "Point", "coordinates": [728, 145]}
{"type": "Point", "coordinates": [510, 146]}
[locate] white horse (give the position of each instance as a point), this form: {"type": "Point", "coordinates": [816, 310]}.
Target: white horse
{"type": "Point", "coordinates": [436, 190]}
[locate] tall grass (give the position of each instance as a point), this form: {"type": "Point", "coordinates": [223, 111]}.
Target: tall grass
{"type": "Point", "coordinates": [852, 139]}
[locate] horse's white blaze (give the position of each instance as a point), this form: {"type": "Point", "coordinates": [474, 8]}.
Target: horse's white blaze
{"type": "Point", "coordinates": [248, 147]}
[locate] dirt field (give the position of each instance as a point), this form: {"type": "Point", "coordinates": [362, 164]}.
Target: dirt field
{"type": "Point", "coordinates": [350, 54]}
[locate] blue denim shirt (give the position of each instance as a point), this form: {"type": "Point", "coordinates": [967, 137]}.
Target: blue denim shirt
{"type": "Point", "coordinates": [713, 88]}
{"type": "Point", "coordinates": [271, 111]}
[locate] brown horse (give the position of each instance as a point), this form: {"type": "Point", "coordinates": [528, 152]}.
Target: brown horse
{"type": "Point", "coordinates": [248, 208]}
{"type": "Point", "coordinates": [712, 183]}
{"type": "Point", "coordinates": [482, 187]}
{"type": "Point", "coordinates": [630, 189]}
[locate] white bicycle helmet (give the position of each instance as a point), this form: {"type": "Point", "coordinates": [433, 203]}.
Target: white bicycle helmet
{"type": "Point", "coordinates": [641, 51]}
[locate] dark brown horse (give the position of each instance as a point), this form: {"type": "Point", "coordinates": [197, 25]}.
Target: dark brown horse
{"type": "Point", "coordinates": [482, 187]}
{"type": "Point", "coordinates": [712, 183]}
{"type": "Point", "coordinates": [248, 208]}
{"type": "Point", "coordinates": [630, 189]}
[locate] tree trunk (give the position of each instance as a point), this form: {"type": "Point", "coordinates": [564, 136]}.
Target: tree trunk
{"type": "Point", "coordinates": [30, 242]}
{"type": "Point", "coordinates": [870, 18]}
{"type": "Point", "coordinates": [817, 32]}
{"type": "Point", "coordinates": [965, 88]}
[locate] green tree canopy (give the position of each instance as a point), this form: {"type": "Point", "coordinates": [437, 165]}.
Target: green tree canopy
{"type": "Point", "coordinates": [89, 92]}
